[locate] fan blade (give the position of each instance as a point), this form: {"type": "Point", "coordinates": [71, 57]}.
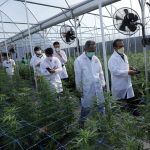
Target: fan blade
{"type": "Point", "coordinates": [72, 37]}
{"type": "Point", "coordinates": [67, 39]}
{"type": "Point", "coordinates": [132, 27]}
{"type": "Point", "coordinates": [118, 18]}
{"type": "Point", "coordinates": [122, 27]}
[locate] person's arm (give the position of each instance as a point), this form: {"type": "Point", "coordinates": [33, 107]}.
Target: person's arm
{"type": "Point", "coordinates": [59, 67]}
{"type": "Point", "coordinates": [43, 69]}
{"type": "Point", "coordinates": [115, 69]}
{"type": "Point", "coordinates": [62, 56]}
{"type": "Point", "coordinates": [31, 61]}
{"type": "Point", "coordinates": [78, 75]}
{"type": "Point", "coordinates": [34, 62]}
{"type": "Point", "coordinates": [4, 64]}
{"type": "Point", "coordinates": [13, 63]}
{"type": "Point", "coordinates": [37, 62]}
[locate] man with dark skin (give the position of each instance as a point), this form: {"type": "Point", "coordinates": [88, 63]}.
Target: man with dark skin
{"type": "Point", "coordinates": [121, 72]}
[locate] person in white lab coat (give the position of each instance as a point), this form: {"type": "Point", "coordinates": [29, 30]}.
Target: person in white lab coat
{"type": "Point", "coordinates": [89, 80]}
{"type": "Point", "coordinates": [9, 65]}
{"type": "Point", "coordinates": [36, 60]}
{"type": "Point", "coordinates": [50, 69]}
{"type": "Point", "coordinates": [60, 54]}
{"type": "Point", "coordinates": [121, 72]}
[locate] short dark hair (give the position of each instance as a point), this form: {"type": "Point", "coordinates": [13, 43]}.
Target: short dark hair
{"type": "Point", "coordinates": [49, 51]}
{"type": "Point", "coordinates": [89, 44]}
{"type": "Point", "coordinates": [56, 43]}
{"type": "Point", "coordinates": [37, 48]}
{"type": "Point", "coordinates": [116, 41]}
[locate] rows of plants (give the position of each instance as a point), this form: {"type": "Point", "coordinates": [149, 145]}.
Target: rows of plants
{"type": "Point", "coordinates": [38, 119]}
{"type": "Point", "coordinates": [32, 118]}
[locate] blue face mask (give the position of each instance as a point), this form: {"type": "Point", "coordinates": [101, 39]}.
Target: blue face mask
{"type": "Point", "coordinates": [90, 54]}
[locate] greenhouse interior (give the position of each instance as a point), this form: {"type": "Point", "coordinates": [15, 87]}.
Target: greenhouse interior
{"type": "Point", "coordinates": [75, 75]}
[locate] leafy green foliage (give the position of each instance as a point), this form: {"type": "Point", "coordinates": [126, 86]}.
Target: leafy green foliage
{"type": "Point", "coordinates": [31, 115]}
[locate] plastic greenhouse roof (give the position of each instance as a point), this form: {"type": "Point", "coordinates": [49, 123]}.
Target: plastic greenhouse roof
{"type": "Point", "coordinates": [14, 11]}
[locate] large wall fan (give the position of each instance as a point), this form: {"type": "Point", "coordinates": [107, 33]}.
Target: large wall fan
{"type": "Point", "coordinates": [67, 34]}
{"type": "Point", "coordinates": [127, 21]}
{"type": "Point", "coordinates": [12, 48]}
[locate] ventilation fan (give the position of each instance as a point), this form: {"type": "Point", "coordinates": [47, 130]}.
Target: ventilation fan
{"type": "Point", "coordinates": [11, 48]}
{"type": "Point", "coordinates": [126, 21]}
{"type": "Point", "coordinates": [67, 34]}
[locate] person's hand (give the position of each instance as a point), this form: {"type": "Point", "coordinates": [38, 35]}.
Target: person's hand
{"type": "Point", "coordinates": [134, 69]}
{"type": "Point", "coordinates": [132, 72]}
{"type": "Point", "coordinates": [55, 68]}
{"type": "Point", "coordinates": [131, 68]}
{"type": "Point", "coordinates": [52, 71]}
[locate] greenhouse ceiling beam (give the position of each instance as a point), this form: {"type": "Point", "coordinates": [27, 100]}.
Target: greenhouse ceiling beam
{"type": "Point", "coordinates": [3, 38]}
{"type": "Point", "coordinates": [43, 4]}
{"type": "Point", "coordinates": [9, 22]}
{"type": "Point", "coordinates": [98, 15]}
{"type": "Point", "coordinates": [77, 10]}
{"type": "Point", "coordinates": [9, 32]}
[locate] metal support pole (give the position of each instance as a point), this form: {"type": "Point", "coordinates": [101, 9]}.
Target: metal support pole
{"type": "Point", "coordinates": [44, 38]}
{"type": "Point", "coordinates": [68, 48]}
{"type": "Point", "coordinates": [30, 40]}
{"type": "Point", "coordinates": [4, 34]}
{"type": "Point", "coordinates": [76, 34]}
{"type": "Point", "coordinates": [81, 43]}
{"type": "Point", "coordinates": [103, 44]}
{"type": "Point", "coordinates": [144, 47]}
{"type": "Point", "coordinates": [135, 51]}
{"type": "Point", "coordinates": [95, 33]}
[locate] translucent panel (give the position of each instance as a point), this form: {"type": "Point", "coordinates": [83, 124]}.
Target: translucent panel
{"type": "Point", "coordinates": [14, 18]}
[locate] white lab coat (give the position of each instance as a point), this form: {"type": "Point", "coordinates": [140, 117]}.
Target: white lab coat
{"type": "Point", "coordinates": [53, 78]}
{"type": "Point", "coordinates": [34, 61]}
{"type": "Point", "coordinates": [120, 80]}
{"type": "Point", "coordinates": [63, 74]}
{"type": "Point", "coordinates": [9, 66]}
{"type": "Point", "coordinates": [89, 79]}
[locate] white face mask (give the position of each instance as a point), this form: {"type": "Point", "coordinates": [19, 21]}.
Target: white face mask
{"type": "Point", "coordinates": [121, 50]}
{"type": "Point", "coordinates": [49, 58]}
{"type": "Point", "coordinates": [39, 52]}
{"type": "Point", "coordinates": [57, 49]}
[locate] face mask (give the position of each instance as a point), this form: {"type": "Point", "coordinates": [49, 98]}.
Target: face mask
{"type": "Point", "coordinates": [121, 50]}
{"type": "Point", "coordinates": [90, 54]}
{"type": "Point", "coordinates": [57, 49]}
{"type": "Point", "coordinates": [49, 58]}
{"type": "Point", "coordinates": [39, 52]}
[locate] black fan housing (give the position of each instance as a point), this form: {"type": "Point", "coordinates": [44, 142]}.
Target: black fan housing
{"type": "Point", "coordinates": [126, 21]}
{"type": "Point", "coordinates": [67, 34]}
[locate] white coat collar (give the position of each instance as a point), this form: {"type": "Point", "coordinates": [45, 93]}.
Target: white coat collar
{"type": "Point", "coordinates": [115, 53]}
